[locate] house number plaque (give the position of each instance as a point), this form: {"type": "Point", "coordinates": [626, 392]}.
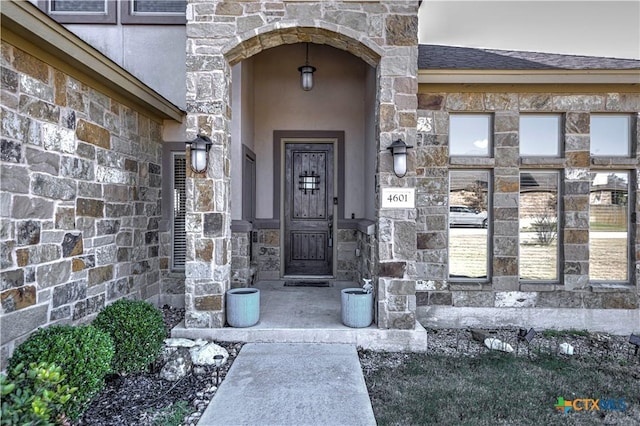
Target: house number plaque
{"type": "Point", "coordinates": [398, 198]}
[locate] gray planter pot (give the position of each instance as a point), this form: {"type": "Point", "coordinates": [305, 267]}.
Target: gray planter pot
{"type": "Point", "coordinates": [243, 307]}
{"type": "Point", "coordinates": [357, 308]}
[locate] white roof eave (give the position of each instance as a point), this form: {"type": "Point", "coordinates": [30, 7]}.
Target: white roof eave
{"type": "Point", "coordinates": [454, 76]}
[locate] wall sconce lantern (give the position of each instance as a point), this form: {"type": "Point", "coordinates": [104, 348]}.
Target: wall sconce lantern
{"type": "Point", "coordinates": [306, 73]}
{"type": "Point", "coordinates": [399, 151]}
{"type": "Point", "coordinates": [199, 150]}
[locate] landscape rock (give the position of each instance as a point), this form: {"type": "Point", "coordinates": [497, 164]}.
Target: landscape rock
{"type": "Point", "coordinates": [498, 345]}
{"type": "Point", "coordinates": [177, 366]}
{"type": "Point", "coordinates": [180, 342]}
{"type": "Point", "coordinates": [566, 348]}
{"type": "Point", "coordinates": [600, 340]}
{"type": "Point", "coordinates": [203, 355]}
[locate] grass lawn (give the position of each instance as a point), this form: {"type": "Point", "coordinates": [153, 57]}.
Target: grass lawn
{"type": "Point", "coordinates": [499, 389]}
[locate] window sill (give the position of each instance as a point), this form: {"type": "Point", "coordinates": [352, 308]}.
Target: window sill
{"type": "Point", "coordinates": [472, 161]}
{"type": "Point", "coordinates": [612, 287]}
{"type": "Point", "coordinates": [469, 286]}
{"type": "Point", "coordinates": [542, 161]}
{"type": "Point", "coordinates": [614, 161]}
{"type": "Point", "coordinates": [539, 286]}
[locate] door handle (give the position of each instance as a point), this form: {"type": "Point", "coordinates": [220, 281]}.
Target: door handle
{"type": "Point", "coordinates": [330, 239]}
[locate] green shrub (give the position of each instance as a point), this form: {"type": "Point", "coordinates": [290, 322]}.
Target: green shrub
{"type": "Point", "coordinates": [83, 353]}
{"type": "Point", "coordinates": [36, 396]}
{"type": "Point", "coordinates": [137, 330]}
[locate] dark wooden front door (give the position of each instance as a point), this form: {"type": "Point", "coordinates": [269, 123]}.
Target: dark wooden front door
{"type": "Point", "coordinates": [308, 209]}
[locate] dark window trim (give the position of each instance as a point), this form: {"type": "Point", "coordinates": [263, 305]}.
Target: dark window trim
{"type": "Point", "coordinates": [561, 133]}
{"type": "Point", "coordinates": [110, 17]}
{"type": "Point", "coordinates": [127, 17]}
{"type": "Point", "coordinates": [488, 280]}
{"type": "Point", "coordinates": [248, 214]}
{"type": "Point", "coordinates": [631, 228]}
{"type": "Point", "coordinates": [490, 133]}
{"type": "Point", "coordinates": [631, 141]}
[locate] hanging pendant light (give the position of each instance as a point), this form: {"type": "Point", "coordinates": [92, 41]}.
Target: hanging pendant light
{"type": "Point", "coordinates": [306, 73]}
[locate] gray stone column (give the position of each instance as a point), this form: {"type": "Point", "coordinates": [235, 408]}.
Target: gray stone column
{"type": "Point", "coordinates": [505, 202]}
{"type": "Point", "coordinates": [208, 219]}
{"type": "Point", "coordinates": [635, 230]}
{"type": "Point", "coordinates": [575, 237]}
{"type": "Point", "coordinates": [396, 300]}
{"type": "Point", "coordinates": [432, 191]}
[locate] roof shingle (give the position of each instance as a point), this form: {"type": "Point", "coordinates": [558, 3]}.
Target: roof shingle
{"type": "Point", "coordinates": [432, 56]}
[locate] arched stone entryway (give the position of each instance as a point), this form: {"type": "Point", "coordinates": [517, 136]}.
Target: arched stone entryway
{"type": "Point", "coordinates": [221, 34]}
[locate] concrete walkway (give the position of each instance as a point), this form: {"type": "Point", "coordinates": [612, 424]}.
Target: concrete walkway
{"type": "Point", "coordinates": [292, 384]}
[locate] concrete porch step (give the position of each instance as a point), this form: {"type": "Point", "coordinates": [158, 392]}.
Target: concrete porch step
{"type": "Point", "coordinates": [366, 338]}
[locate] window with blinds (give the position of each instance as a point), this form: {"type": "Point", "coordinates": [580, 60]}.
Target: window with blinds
{"type": "Point", "coordinates": [80, 11]}
{"type": "Point", "coordinates": [179, 196]}
{"type": "Point", "coordinates": [163, 12]}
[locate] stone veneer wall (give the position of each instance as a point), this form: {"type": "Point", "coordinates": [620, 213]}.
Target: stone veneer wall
{"type": "Point", "coordinates": [346, 261]}
{"type": "Point", "coordinates": [266, 254]}
{"type": "Point", "coordinates": [242, 271]}
{"type": "Point", "coordinates": [221, 34]}
{"type": "Point", "coordinates": [504, 289]}
{"type": "Point", "coordinates": [80, 200]}
{"type": "Point", "coordinates": [265, 261]}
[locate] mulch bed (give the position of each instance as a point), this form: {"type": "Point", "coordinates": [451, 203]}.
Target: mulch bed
{"type": "Point", "coordinates": [144, 398]}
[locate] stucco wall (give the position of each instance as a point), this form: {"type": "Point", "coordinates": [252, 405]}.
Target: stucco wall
{"type": "Point", "coordinates": [337, 102]}
{"type": "Point", "coordinates": [154, 53]}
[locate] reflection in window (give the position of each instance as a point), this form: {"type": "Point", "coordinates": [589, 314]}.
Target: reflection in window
{"type": "Point", "coordinates": [540, 135]}
{"type": "Point", "coordinates": [610, 134]}
{"type": "Point", "coordinates": [538, 225]}
{"type": "Point", "coordinates": [470, 134]}
{"type": "Point", "coordinates": [609, 226]}
{"type": "Point", "coordinates": [468, 219]}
